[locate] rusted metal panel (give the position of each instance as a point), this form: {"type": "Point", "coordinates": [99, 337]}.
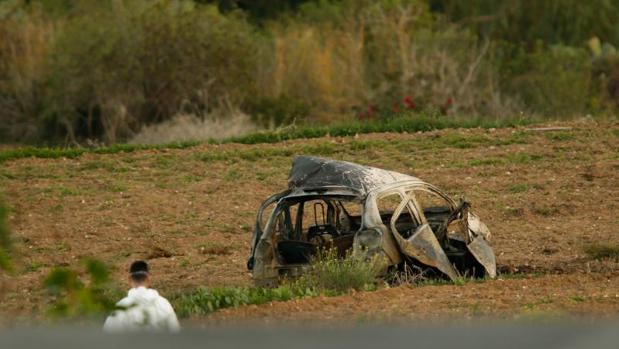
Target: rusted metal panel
{"type": "Point", "coordinates": [424, 247]}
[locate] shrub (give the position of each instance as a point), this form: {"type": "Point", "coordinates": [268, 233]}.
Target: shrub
{"type": "Point", "coordinates": [552, 81]}
{"type": "Point", "coordinates": [397, 50]}
{"type": "Point", "coordinates": [525, 22]}
{"type": "Point", "coordinates": [122, 65]}
{"type": "Point", "coordinates": [76, 299]}
{"type": "Point", "coordinates": [282, 110]}
{"type": "Point", "coordinates": [24, 48]}
{"type": "Point", "coordinates": [331, 273]}
{"type": "Point", "coordinates": [74, 71]}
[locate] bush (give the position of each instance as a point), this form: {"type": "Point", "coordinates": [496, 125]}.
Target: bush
{"type": "Point", "coordinates": [24, 48]}
{"type": "Point", "coordinates": [75, 299]}
{"type": "Point", "coordinates": [74, 71]}
{"type": "Point", "coordinates": [282, 110]}
{"type": "Point", "coordinates": [140, 62]}
{"type": "Point", "coordinates": [570, 22]}
{"type": "Point", "coordinates": [553, 81]}
{"type": "Point", "coordinates": [331, 273]}
{"type": "Point", "coordinates": [397, 50]}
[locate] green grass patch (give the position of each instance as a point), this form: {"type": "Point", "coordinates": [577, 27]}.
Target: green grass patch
{"type": "Point", "coordinates": [409, 123]}
{"type": "Point", "coordinates": [207, 300]}
{"type": "Point", "coordinates": [545, 211]}
{"type": "Point", "coordinates": [578, 299]}
{"type": "Point", "coordinates": [519, 188]}
{"type": "Point", "coordinates": [116, 187]}
{"type": "Point", "coordinates": [517, 158]}
{"type": "Point", "coordinates": [461, 141]}
{"type": "Point", "coordinates": [560, 136]}
{"type": "Point", "coordinates": [519, 137]}
{"type": "Point", "coordinates": [486, 162]}
{"type": "Point", "coordinates": [65, 191]}
{"type": "Point", "coordinates": [602, 251]}
{"type": "Point", "coordinates": [522, 158]}
{"type": "Point", "coordinates": [191, 178]}
{"type": "Point", "coordinates": [370, 144]}
{"type": "Point", "coordinates": [328, 275]}
{"type": "Point", "coordinates": [72, 153]}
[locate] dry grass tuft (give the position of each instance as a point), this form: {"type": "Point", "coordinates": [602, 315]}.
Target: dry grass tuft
{"type": "Point", "coordinates": [186, 127]}
{"type": "Point", "coordinates": [601, 251]}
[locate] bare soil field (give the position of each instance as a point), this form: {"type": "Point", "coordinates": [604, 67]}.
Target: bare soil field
{"type": "Point", "coordinates": [544, 195]}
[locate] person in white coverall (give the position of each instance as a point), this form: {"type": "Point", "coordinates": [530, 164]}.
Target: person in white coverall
{"type": "Point", "coordinates": [143, 309]}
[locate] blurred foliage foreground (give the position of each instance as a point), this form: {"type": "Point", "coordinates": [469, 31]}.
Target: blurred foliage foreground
{"type": "Point", "coordinates": [108, 71]}
{"type": "Point", "coordinates": [5, 237]}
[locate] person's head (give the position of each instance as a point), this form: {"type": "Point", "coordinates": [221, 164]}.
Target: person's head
{"type": "Point", "coordinates": [138, 274]}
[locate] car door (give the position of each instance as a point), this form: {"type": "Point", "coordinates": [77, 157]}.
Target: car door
{"type": "Point", "coordinates": [420, 242]}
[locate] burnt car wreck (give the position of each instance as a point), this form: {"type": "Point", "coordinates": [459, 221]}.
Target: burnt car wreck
{"type": "Point", "coordinates": [345, 206]}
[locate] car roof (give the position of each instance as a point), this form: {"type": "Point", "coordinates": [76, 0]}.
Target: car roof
{"type": "Point", "coordinates": [315, 174]}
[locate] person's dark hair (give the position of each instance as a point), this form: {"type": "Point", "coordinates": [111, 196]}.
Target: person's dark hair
{"type": "Point", "coordinates": [138, 271]}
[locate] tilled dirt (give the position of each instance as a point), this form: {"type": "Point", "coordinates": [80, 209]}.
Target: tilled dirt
{"type": "Point", "coordinates": [544, 195]}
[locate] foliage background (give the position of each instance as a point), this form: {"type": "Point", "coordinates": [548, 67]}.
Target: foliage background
{"type": "Point", "coordinates": [108, 71]}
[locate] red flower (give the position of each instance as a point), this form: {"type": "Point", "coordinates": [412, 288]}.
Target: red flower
{"type": "Point", "coordinates": [409, 103]}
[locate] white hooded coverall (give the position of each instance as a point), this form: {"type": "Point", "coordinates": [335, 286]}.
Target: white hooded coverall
{"type": "Point", "coordinates": [142, 310]}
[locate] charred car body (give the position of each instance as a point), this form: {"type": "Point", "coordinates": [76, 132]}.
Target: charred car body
{"type": "Point", "coordinates": [346, 206]}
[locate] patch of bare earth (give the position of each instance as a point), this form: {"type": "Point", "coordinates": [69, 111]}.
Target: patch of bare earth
{"type": "Point", "coordinates": [544, 198]}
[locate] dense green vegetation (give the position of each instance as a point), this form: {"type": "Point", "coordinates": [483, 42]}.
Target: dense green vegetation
{"type": "Point", "coordinates": [99, 71]}
{"type": "Point", "coordinates": [207, 300]}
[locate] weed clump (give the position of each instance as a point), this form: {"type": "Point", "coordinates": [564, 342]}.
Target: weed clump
{"type": "Point", "coordinates": [603, 251]}
{"type": "Point", "coordinates": [207, 300]}
{"type": "Point", "coordinates": [328, 275]}
{"type": "Point", "coordinates": [332, 274]}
